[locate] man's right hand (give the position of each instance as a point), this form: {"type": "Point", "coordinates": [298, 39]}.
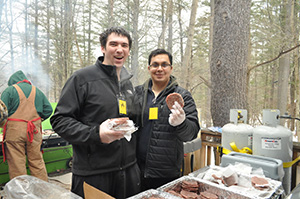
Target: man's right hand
{"type": "Point", "coordinates": [107, 135]}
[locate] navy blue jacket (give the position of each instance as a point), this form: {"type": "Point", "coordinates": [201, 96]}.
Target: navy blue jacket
{"type": "Point", "coordinates": [164, 154]}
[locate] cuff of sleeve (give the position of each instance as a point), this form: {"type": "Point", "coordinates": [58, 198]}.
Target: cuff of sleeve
{"type": "Point", "coordinates": [182, 125]}
{"type": "Point", "coordinates": [95, 134]}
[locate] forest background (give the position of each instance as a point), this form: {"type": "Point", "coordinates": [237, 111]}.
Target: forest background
{"type": "Point", "coordinates": [230, 54]}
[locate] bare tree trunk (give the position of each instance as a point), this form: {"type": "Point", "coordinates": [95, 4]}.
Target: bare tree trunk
{"type": "Point", "coordinates": [170, 19]}
{"type": "Point", "coordinates": [48, 51]}
{"type": "Point", "coordinates": [111, 13]}
{"type": "Point", "coordinates": [206, 110]}
{"type": "Point", "coordinates": [208, 89]}
{"type": "Point", "coordinates": [283, 81]}
{"type": "Point", "coordinates": [58, 77]}
{"type": "Point", "coordinates": [135, 44]}
{"type": "Point", "coordinates": [68, 37]}
{"type": "Point", "coordinates": [229, 58]}
{"type": "Point", "coordinates": [26, 36]}
{"type": "Point", "coordinates": [266, 88]}
{"type": "Point", "coordinates": [161, 39]}
{"type": "Point", "coordinates": [180, 30]}
{"type": "Point", "coordinates": [212, 12]}
{"type": "Point", "coordinates": [273, 93]}
{"type": "Point", "coordinates": [255, 92]}
{"type": "Point", "coordinates": [89, 50]}
{"type": "Point", "coordinates": [294, 78]}
{"type": "Point", "coordinates": [35, 45]}
{"type": "Point", "coordinates": [296, 66]}
{"type": "Point", "coordinates": [66, 42]}
{"type": "Point", "coordinates": [1, 11]}
{"type": "Point", "coordinates": [284, 62]}
{"type": "Point", "coordinates": [60, 49]}
{"type": "Point", "coordinates": [78, 48]}
{"type": "Point", "coordinates": [10, 27]}
{"type": "Point", "coordinates": [188, 48]}
{"type": "Point", "coordinates": [82, 60]}
{"type": "Point", "coordinates": [291, 123]}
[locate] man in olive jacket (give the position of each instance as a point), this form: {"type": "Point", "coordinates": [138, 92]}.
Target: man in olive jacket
{"type": "Point", "coordinates": [162, 131]}
{"type": "Point", "coordinates": [27, 106]}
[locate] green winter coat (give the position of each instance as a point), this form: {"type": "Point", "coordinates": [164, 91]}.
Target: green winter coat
{"type": "Point", "coordinates": [11, 98]}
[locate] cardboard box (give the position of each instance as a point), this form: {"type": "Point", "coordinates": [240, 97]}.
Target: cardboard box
{"type": "Point", "coordinates": [91, 192]}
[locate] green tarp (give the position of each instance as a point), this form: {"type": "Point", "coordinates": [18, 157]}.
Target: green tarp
{"type": "Point", "coordinates": [46, 123]}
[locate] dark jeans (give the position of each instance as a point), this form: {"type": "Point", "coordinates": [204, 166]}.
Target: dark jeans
{"type": "Point", "coordinates": [154, 183]}
{"type": "Point", "coordinates": [118, 184]}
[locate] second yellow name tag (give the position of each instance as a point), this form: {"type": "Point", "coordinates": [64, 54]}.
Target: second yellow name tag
{"type": "Point", "coordinates": [153, 113]}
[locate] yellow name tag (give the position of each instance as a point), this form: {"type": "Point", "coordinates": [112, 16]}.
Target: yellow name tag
{"type": "Point", "coordinates": [153, 113]}
{"type": "Point", "coordinates": [122, 107]}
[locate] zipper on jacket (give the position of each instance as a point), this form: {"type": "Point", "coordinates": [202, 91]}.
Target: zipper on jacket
{"type": "Point", "coordinates": [120, 96]}
{"type": "Point", "coordinates": [123, 155]}
{"type": "Point", "coordinates": [119, 88]}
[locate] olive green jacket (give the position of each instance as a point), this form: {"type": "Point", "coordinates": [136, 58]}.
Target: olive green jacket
{"type": "Point", "coordinates": [10, 96]}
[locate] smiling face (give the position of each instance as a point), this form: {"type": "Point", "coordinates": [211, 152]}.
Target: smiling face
{"type": "Point", "coordinates": [116, 50]}
{"type": "Point", "coordinates": [160, 69]}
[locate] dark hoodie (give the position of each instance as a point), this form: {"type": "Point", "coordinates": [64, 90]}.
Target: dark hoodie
{"type": "Point", "coordinates": [11, 98]}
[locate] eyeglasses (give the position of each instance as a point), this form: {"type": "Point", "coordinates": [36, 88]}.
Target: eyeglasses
{"type": "Point", "coordinates": [163, 65]}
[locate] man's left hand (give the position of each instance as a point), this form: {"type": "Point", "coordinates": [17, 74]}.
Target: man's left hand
{"type": "Point", "coordinates": [177, 116]}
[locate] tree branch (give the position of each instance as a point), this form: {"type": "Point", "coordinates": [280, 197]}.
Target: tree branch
{"type": "Point", "coordinates": [206, 82]}
{"type": "Point", "coordinates": [279, 55]}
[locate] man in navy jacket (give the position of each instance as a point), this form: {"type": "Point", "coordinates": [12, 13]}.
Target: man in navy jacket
{"type": "Point", "coordinates": [162, 131]}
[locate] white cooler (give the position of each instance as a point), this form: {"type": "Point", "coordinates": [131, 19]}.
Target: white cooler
{"type": "Point", "coordinates": [272, 167]}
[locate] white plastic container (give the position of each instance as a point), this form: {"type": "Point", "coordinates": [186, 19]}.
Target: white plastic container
{"type": "Point", "coordinates": [272, 167]}
{"type": "Point", "coordinates": [241, 134]}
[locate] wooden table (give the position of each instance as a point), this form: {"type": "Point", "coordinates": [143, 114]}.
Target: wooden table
{"type": "Point", "coordinates": [210, 141]}
{"type": "Point", "coordinates": [296, 153]}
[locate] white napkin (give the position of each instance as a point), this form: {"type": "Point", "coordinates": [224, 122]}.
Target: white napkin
{"type": "Point", "coordinates": [128, 127]}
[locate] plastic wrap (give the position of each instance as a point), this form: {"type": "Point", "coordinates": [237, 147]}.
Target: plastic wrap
{"type": "Point", "coordinates": [244, 187]}
{"type": "Point", "coordinates": [155, 194]}
{"type": "Point", "coordinates": [30, 187]}
{"type": "Point", "coordinates": [221, 192]}
{"type": "Point", "coordinates": [128, 127]}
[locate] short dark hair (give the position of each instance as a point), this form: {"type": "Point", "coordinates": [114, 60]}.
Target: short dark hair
{"type": "Point", "coordinates": [159, 52]}
{"type": "Point", "coordinates": [119, 31]}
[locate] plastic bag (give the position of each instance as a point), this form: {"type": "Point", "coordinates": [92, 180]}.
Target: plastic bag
{"type": "Point", "coordinates": [30, 187]}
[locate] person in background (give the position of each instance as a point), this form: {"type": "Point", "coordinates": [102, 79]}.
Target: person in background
{"type": "Point", "coordinates": [3, 115]}
{"type": "Point", "coordinates": [90, 97]}
{"type": "Point", "coordinates": [162, 131]}
{"type": "Point", "coordinates": [27, 106]}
